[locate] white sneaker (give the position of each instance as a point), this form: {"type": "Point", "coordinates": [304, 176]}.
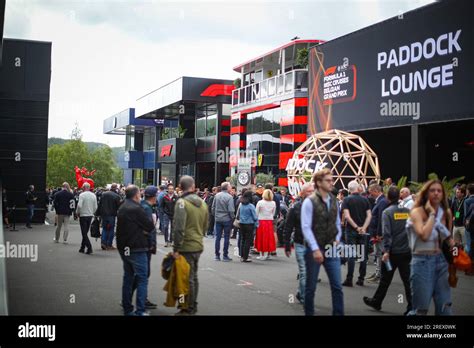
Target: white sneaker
{"type": "Point", "coordinates": [260, 258]}
{"type": "Point", "coordinates": [65, 242]}
{"type": "Point", "coordinates": [55, 240]}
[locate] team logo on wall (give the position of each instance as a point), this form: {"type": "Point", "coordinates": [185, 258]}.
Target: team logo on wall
{"type": "Point", "coordinates": [339, 84]}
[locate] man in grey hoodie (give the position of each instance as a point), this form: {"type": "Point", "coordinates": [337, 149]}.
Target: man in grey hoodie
{"type": "Point", "coordinates": [223, 210]}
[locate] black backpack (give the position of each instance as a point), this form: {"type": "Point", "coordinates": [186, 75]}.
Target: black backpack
{"type": "Point", "coordinates": [95, 227]}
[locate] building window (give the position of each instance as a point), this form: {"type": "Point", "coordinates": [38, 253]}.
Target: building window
{"type": "Point", "coordinates": [226, 109]}
{"type": "Point", "coordinates": [168, 173]}
{"type": "Point", "coordinates": [149, 139]}
{"type": "Point", "coordinates": [211, 125]}
{"type": "Point", "coordinates": [201, 127]}
{"type": "Point", "coordinates": [130, 139]}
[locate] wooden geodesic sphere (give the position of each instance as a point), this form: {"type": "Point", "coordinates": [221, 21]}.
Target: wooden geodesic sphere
{"type": "Point", "coordinates": [347, 155]}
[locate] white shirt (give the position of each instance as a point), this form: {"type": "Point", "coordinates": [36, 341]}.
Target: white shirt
{"type": "Point", "coordinates": [87, 205]}
{"type": "Point", "coordinates": [408, 203]}
{"type": "Point", "coordinates": [266, 209]}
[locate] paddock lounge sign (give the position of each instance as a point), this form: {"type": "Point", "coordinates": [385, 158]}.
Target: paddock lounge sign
{"type": "Point", "coordinates": [414, 68]}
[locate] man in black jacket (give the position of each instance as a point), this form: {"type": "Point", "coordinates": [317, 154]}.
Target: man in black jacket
{"type": "Point", "coordinates": [64, 205]}
{"type": "Point", "coordinates": [209, 199]}
{"type": "Point", "coordinates": [108, 207]}
{"type": "Point", "coordinates": [293, 223]}
{"type": "Point", "coordinates": [396, 250]}
{"type": "Point", "coordinates": [167, 205]}
{"type": "Point", "coordinates": [375, 227]}
{"type": "Point", "coordinates": [30, 205]}
{"type": "Point", "coordinates": [133, 228]}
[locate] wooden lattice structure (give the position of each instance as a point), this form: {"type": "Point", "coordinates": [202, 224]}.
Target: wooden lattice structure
{"type": "Point", "coordinates": [347, 155]}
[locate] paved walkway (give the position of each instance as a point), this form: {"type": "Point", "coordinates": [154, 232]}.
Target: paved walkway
{"type": "Point", "coordinates": [64, 282]}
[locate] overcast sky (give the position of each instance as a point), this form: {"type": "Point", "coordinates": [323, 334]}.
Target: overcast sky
{"type": "Point", "coordinates": [108, 53]}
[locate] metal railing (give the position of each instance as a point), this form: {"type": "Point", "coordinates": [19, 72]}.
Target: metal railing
{"type": "Point", "coordinates": [292, 81]}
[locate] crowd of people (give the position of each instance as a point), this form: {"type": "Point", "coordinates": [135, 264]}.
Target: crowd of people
{"type": "Point", "coordinates": [413, 233]}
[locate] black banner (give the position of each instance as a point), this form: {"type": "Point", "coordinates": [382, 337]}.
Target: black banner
{"type": "Point", "coordinates": [411, 69]}
{"type": "Point", "coordinates": [377, 330]}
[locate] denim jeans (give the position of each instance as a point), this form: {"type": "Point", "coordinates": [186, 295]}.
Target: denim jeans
{"type": "Point", "coordinates": [135, 269]}
{"type": "Point", "coordinates": [332, 265]}
{"type": "Point", "coordinates": [300, 251]}
{"type": "Point", "coordinates": [167, 223]}
{"type": "Point", "coordinates": [226, 227]}
{"type": "Point", "coordinates": [30, 211]}
{"type": "Point", "coordinates": [354, 238]}
{"type": "Point", "coordinates": [108, 226]}
{"type": "Point", "coordinates": [160, 217]}
{"type": "Point", "coordinates": [469, 240]}
{"type": "Point", "coordinates": [429, 280]}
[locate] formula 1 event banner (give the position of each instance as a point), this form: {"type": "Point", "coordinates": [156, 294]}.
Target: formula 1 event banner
{"type": "Point", "coordinates": [415, 68]}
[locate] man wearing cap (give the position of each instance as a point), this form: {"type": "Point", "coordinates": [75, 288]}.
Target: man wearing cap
{"type": "Point", "coordinates": [147, 204]}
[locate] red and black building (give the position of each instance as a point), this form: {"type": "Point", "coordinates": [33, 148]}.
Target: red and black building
{"type": "Point", "coordinates": [270, 110]}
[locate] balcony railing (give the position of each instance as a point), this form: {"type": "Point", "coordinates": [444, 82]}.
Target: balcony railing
{"type": "Point", "coordinates": [290, 82]}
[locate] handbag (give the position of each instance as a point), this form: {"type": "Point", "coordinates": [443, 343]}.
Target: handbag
{"type": "Point", "coordinates": [462, 261]}
{"type": "Point", "coordinates": [95, 227]}
{"type": "Point", "coordinates": [237, 218]}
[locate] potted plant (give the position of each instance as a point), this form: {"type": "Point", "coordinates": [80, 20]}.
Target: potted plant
{"type": "Point", "coordinates": [302, 58]}
{"type": "Point", "coordinates": [237, 82]}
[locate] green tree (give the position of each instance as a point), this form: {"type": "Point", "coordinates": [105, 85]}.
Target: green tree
{"type": "Point", "coordinates": [63, 158]}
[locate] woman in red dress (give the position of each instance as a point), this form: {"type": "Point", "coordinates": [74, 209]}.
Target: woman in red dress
{"type": "Point", "coordinates": [265, 239]}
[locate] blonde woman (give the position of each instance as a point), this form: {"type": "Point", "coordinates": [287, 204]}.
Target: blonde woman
{"type": "Point", "coordinates": [429, 225]}
{"type": "Point", "coordinates": [265, 239]}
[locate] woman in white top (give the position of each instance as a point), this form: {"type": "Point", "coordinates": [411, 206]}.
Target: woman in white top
{"type": "Point", "coordinates": [265, 239]}
{"type": "Point", "coordinates": [429, 225]}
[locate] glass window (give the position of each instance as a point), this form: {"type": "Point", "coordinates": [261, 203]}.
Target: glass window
{"type": "Point", "coordinates": [250, 124]}
{"type": "Point", "coordinates": [168, 173]}
{"type": "Point", "coordinates": [212, 125]}
{"type": "Point", "coordinates": [257, 122]}
{"type": "Point", "coordinates": [149, 139]}
{"type": "Point", "coordinates": [138, 177]}
{"type": "Point", "coordinates": [267, 124]}
{"type": "Point", "coordinates": [130, 139]}
{"type": "Point", "coordinates": [276, 119]}
{"type": "Point", "coordinates": [226, 109]}
{"type": "Point", "coordinates": [201, 127]}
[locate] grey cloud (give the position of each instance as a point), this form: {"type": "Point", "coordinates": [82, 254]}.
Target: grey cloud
{"type": "Point", "coordinates": [256, 22]}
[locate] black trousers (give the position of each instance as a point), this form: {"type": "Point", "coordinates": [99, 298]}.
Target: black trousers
{"type": "Point", "coordinates": [85, 223]}
{"type": "Point", "coordinates": [402, 262]}
{"type": "Point", "coordinates": [246, 231]}
{"type": "Point", "coordinates": [210, 230]}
